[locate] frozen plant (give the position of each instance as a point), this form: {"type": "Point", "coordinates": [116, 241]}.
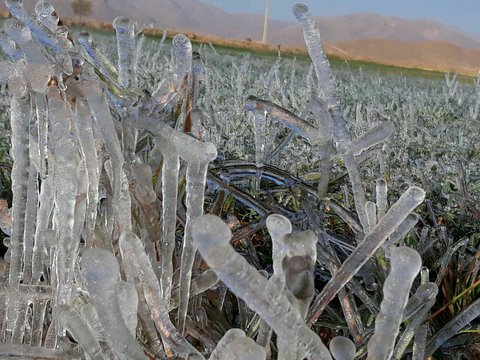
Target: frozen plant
{"type": "Point", "coordinates": [115, 164]}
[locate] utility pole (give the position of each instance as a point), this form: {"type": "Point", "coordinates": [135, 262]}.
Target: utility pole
{"type": "Point", "coordinates": [265, 23]}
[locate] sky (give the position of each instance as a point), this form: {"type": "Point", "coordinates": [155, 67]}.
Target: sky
{"type": "Point", "coordinates": [463, 14]}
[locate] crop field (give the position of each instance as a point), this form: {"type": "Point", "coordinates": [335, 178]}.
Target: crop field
{"type": "Point", "coordinates": [163, 199]}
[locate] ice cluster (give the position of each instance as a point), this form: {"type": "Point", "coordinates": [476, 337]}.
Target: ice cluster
{"type": "Point", "coordinates": [109, 192]}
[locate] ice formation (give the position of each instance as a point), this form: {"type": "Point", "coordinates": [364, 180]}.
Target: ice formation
{"type": "Point", "coordinates": [110, 184]}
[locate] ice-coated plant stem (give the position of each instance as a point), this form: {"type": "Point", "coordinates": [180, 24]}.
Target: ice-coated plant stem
{"type": "Point", "coordinates": [100, 272]}
{"type": "Point", "coordinates": [170, 168]}
{"type": "Point", "coordinates": [83, 126]}
{"type": "Point", "coordinates": [65, 183]}
{"type": "Point", "coordinates": [294, 257]}
{"type": "Point", "coordinates": [419, 343]}
{"type": "Point", "coordinates": [196, 180]}
{"type": "Point", "coordinates": [212, 237]}
{"type": "Point", "coordinates": [284, 117]}
{"type": "Point", "coordinates": [73, 322]}
{"type": "Point", "coordinates": [20, 115]}
{"type": "Point", "coordinates": [405, 266]}
{"type": "Point", "coordinates": [30, 221]}
{"type": "Point", "coordinates": [327, 89]}
{"type": "Point", "coordinates": [42, 126]}
{"type": "Point", "coordinates": [452, 328]}
{"type": "Point", "coordinates": [138, 266]}
{"type": "Point", "coordinates": [409, 200]}
{"type": "Point", "coordinates": [101, 62]}
{"type": "Point", "coordinates": [182, 50]}
{"type": "Point", "coordinates": [415, 323]}
{"type": "Point", "coordinates": [43, 218]}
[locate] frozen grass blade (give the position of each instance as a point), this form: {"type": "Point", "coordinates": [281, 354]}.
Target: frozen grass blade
{"type": "Point", "coordinates": [409, 200]}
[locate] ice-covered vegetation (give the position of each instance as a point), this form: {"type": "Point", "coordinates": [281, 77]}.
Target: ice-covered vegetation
{"type": "Point", "coordinates": [171, 203]}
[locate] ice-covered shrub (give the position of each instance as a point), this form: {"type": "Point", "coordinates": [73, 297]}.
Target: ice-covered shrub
{"type": "Point", "coordinates": [111, 172]}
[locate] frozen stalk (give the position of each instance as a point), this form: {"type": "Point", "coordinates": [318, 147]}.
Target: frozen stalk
{"type": "Point", "coordinates": [409, 200]}
{"type": "Point", "coordinates": [294, 256]}
{"type": "Point", "coordinates": [98, 104]}
{"type": "Point", "coordinates": [100, 273]}
{"type": "Point", "coordinates": [170, 168]}
{"type": "Point", "coordinates": [260, 130]}
{"type": "Point", "coordinates": [213, 237]}
{"type": "Point", "coordinates": [65, 183]}
{"type": "Point", "coordinates": [405, 265]}
{"type": "Point", "coordinates": [73, 322]}
{"type": "Point", "coordinates": [125, 31]}
{"type": "Point", "coordinates": [137, 265]}
{"type": "Point", "coordinates": [83, 125]}
{"type": "Point", "coordinates": [20, 115]}
{"type": "Point", "coordinates": [341, 136]}
{"type": "Point", "coordinates": [182, 50]}
{"type": "Point", "coordinates": [430, 294]}
{"type": "Point", "coordinates": [452, 328]}
{"type": "Point", "coordinates": [196, 178]}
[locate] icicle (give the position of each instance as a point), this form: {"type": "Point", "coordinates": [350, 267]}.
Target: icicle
{"type": "Point", "coordinates": [196, 178]}
{"type": "Point", "coordinates": [284, 117]}
{"type": "Point", "coordinates": [83, 125]}
{"type": "Point", "coordinates": [170, 168]}
{"type": "Point", "coordinates": [20, 116]}
{"type": "Point", "coordinates": [101, 112]}
{"type": "Point", "coordinates": [125, 31]}
{"type": "Point", "coordinates": [342, 348]}
{"type": "Point", "coordinates": [43, 218]}
{"type": "Point", "coordinates": [65, 184]}
{"type": "Point", "coordinates": [100, 272]}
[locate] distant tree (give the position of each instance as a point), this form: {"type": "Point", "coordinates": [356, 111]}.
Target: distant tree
{"type": "Point", "coordinates": [82, 7]}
